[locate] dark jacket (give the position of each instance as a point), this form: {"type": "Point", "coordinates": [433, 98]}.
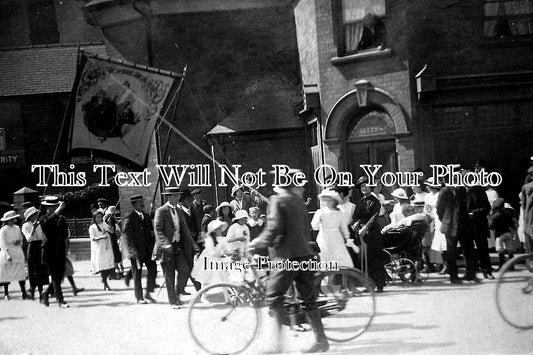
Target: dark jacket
{"type": "Point", "coordinates": [287, 232]}
{"type": "Point", "coordinates": [452, 211]}
{"type": "Point", "coordinates": [197, 210]}
{"type": "Point", "coordinates": [501, 223]}
{"type": "Point", "coordinates": [139, 235]}
{"type": "Point", "coordinates": [54, 250]}
{"type": "Point", "coordinates": [164, 233]}
{"type": "Point", "coordinates": [478, 204]}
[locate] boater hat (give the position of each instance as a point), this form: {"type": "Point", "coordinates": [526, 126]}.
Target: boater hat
{"type": "Point", "coordinates": [102, 199]}
{"type": "Point", "coordinates": [196, 191]}
{"type": "Point", "coordinates": [50, 201]}
{"type": "Point", "coordinates": [9, 215]}
{"type": "Point", "coordinates": [172, 190]}
{"type": "Point", "coordinates": [30, 212]}
{"type": "Point", "coordinates": [136, 198]}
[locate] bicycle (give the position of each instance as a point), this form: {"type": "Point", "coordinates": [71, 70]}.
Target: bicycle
{"type": "Point", "coordinates": [231, 320]}
{"type": "Point", "coordinates": [514, 292]}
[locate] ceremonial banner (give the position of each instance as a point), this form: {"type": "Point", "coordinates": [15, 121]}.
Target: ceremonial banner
{"type": "Point", "coordinates": [117, 106]}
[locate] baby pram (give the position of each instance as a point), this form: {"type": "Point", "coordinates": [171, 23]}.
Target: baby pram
{"type": "Point", "coordinates": [403, 247]}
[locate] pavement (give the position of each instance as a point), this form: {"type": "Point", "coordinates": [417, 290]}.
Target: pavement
{"type": "Point", "coordinates": [435, 317]}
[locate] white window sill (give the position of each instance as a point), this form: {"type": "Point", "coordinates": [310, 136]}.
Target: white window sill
{"type": "Point", "coordinates": [362, 56]}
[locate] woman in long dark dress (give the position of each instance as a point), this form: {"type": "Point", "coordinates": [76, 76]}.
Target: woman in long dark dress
{"type": "Point", "coordinates": [37, 271]}
{"type": "Point", "coordinates": [367, 211]}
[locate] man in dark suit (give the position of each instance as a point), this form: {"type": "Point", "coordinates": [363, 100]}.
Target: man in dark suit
{"type": "Point", "coordinates": [197, 207]}
{"type": "Point", "coordinates": [140, 242]}
{"type": "Point", "coordinates": [186, 205]}
{"type": "Point", "coordinates": [174, 244]}
{"type": "Point", "coordinates": [453, 213]}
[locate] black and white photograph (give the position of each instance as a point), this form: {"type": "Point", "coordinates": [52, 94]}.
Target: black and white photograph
{"type": "Point", "coordinates": [266, 177]}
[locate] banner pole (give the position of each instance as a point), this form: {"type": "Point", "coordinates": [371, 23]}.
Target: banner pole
{"type": "Point", "coordinates": [177, 96]}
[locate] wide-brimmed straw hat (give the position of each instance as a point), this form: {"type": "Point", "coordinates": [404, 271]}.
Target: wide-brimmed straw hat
{"type": "Point", "coordinates": [240, 214]}
{"type": "Point", "coordinates": [30, 212]}
{"type": "Point", "coordinates": [50, 201]}
{"type": "Point", "coordinates": [216, 224]}
{"type": "Point", "coordinates": [331, 194]}
{"type": "Point", "coordinates": [431, 183]}
{"type": "Point", "coordinates": [236, 188]}
{"type": "Point", "coordinates": [171, 190]}
{"type": "Point", "coordinates": [9, 215]}
{"type": "Point", "coordinates": [223, 204]}
{"type": "Point", "coordinates": [400, 193]}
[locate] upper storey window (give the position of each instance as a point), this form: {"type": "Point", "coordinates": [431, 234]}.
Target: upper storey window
{"type": "Point", "coordinates": [360, 25]}
{"type": "Point", "coordinates": [508, 18]}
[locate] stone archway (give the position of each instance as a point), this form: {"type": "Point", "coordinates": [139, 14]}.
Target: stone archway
{"type": "Point", "coordinates": [346, 109]}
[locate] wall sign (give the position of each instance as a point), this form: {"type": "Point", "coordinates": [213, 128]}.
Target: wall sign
{"type": "Point", "coordinates": [374, 123]}
{"type": "Point", "coordinates": [10, 159]}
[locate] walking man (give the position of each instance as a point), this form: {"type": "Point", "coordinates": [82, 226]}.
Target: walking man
{"type": "Point", "coordinates": [140, 242]}
{"type": "Point", "coordinates": [288, 235]}
{"type": "Point", "coordinates": [173, 245]}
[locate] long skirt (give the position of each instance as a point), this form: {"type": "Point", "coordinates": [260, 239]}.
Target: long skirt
{"type": "Point", "coordinates": [37, 271]}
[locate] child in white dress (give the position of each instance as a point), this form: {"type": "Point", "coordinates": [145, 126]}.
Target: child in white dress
{"type": "Point", "coordinates": [208, 269]}
{"type": "Point", "coordinates": [333, 235]}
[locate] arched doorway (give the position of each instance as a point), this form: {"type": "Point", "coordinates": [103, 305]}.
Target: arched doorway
{"type": "Point", "coordinates": [370, 140]}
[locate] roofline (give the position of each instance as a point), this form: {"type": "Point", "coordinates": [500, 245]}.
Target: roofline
{"type": "Point", "coordinates": [54, 45]}
{"type": "Point", "coordinates": [268, 130]}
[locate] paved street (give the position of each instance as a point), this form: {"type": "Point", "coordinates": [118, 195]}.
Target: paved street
{"type": "Point", "coordinates": [435, 318]}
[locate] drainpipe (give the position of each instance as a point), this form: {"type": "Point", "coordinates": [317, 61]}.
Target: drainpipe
{"type": "Point", "coordinates": [146, 15]}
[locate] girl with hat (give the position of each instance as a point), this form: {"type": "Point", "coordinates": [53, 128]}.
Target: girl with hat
{"type": "Point", "coordinates": [12, 266]}
{"type": "Point", "coordinates": [225, 214]}
{"type": "Point", "coordinates": [332, 230]}
{"type": "Point", "coordinates": [239, 235]}
{"type": "Point", "coordinates": [207, 268]}
{"type": "Point", "coordinates": [33, 232]}
{"type": "Point", "coordinates": [102, 258]}
{"type": "Point", "coordinates": [402, 201]}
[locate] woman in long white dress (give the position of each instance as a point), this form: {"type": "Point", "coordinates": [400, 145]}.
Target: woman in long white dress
{"type": "Point", "coordinates": [12, 265]}
{"type": "Point", "coordinates": [102, 258]}
{"type": "Point", "coordinates": [438, 244]}
{"type": "Point", "coordinates": [332, 230]}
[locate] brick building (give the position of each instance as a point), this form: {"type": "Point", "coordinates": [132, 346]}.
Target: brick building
{"type": "Point", "coordinates": [242, 91]}
{"type": "Point", "coordinates": [412, 83]}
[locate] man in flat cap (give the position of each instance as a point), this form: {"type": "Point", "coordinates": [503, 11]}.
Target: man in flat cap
{"type": "Point", "coordinates": [174, 244]}
{"type": "Point", "coordinates": [140, 241]}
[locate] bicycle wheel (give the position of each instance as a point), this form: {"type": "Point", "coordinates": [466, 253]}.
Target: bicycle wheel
{"type": "Point", "coordinates": [220, 312]}
{"type": "Point", "coordinates": [514, 292]}
{"type": "Point", "coordinates": [346, 302]}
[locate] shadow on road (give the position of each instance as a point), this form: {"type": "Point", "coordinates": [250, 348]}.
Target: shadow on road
{"type": "Point", "coordinates": [380, 327]}
{"type": "Point", "coordinates": [10, 318]}
{"type": "Point", "coordinates": [390, 347]}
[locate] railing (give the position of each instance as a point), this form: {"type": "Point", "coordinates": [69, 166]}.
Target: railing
{"type": "Point", "coordinates": [79, 227]}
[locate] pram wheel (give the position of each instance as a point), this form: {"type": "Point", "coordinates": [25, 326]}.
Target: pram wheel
{"type": "Point", "coordinates": [401, 270]}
